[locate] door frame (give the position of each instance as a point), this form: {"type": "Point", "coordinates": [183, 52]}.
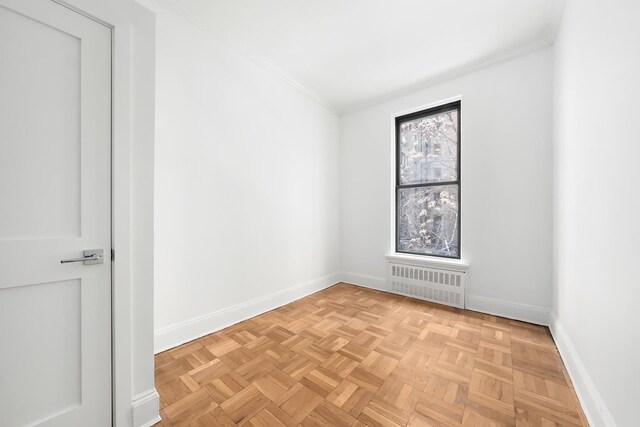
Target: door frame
{"type": "Point", "coordinates": [135, 401]}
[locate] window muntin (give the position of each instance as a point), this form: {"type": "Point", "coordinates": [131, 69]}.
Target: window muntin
{"type": "Point", "coordinates": [428, 182]}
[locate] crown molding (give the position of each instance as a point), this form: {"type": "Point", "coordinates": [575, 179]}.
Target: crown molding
{"type": "Point", "coordinates": [452, 74]}
{"type": "Point", "coordinates": [554, 19]}
{"type": "Point", "coordinates": [206, 27]}
{"type": "Point", "coordinates": [555, 11]}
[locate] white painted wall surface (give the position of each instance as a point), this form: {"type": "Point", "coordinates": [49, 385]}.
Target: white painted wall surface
{"type": "Point", "coordinates": [247, 197]}
{"type": "Point", "coordinates": [506, 185]}
{"type": "Point", "coordinates": [597, 206]}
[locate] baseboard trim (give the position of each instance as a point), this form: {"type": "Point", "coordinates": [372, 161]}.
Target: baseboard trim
{"type": "Point", "coordinates": [146, 408]}
{"type": "Point", "coordinates": [189, 330]}
{"type": "Point", "coordinates": [495, 307]}
{"type": "Point", "coordinates": [372, 282]}
{"type": "Point", "coordinates": [592, 404]}
{"type": "Point", "coordinates": [509, 309]}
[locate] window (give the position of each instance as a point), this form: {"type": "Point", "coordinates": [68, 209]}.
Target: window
{"type": "Point", "coordinates": [428, 182]}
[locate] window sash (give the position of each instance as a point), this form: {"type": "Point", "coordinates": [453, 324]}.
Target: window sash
{"type": "Point", "coordinates": [420, 114]}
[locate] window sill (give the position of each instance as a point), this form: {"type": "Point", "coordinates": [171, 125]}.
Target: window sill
{"type": "Point", "coordinates": [428, 261]}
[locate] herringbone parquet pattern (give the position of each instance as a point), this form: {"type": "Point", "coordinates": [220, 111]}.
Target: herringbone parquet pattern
{"type": "Point", "coordinates": [349, 356]}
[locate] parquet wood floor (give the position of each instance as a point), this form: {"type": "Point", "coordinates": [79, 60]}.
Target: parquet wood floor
{"type": "Point", "coordinates": [349, 356]}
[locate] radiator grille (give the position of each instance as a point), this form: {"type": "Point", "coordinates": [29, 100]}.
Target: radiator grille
{"type": "Point", "coordinates": [431, 284]}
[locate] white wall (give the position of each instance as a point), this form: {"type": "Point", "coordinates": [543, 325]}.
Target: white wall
{"type": "Point", "coordinates": [247, 176]}
{"type": "Point", "coordinates": [597, 206]}
{"type": "Point", "coordinates": [506, 185]}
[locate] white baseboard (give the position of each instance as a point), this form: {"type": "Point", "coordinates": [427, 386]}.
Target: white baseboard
{"type": "Point", "coordinates": [146, 409]}
{"type": "Point", "coordinates": [509, 309]}
{"type": "Point", "coordinates": [180, 333]}
{"type": "Point", "coordinates": [372, 282]}
{"type": "Point", "coordinates": [592, 404]}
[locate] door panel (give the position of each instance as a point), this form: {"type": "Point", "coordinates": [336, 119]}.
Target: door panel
{"type": "Point", "coordinates": [55, 202]}
{"type": "Point", "coordinates": [45, 64]}
{"type": "Point", "coordinates": [48, 343]}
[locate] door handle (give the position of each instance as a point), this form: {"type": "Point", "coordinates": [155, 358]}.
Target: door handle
{"type": "Point", "coordinates": [91, 256]}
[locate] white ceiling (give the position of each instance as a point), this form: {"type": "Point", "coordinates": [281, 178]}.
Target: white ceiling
{"type": "Point", "coordinates": [351, 53]}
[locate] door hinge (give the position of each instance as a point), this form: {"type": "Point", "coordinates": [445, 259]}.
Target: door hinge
{"type": "Point", "coordinates": [113, 254]}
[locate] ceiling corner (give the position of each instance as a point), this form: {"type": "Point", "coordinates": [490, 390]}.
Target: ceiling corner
{"type": "Point", "coordinates": [201, 23]}
{"type": "Point", "coordinates": [556, 9]}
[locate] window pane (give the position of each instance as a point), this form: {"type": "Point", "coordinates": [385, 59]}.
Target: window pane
{"type": "Point", "coordinates": [428, 220]}
{"type": "Point", "coordinates": [429, 149]}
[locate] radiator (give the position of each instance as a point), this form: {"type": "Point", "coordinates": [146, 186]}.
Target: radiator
{"type": "Point", "coordinates": [430, 284]}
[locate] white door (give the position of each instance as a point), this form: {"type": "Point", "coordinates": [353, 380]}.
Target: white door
{"type": "Point", "coordinates": [55, 202]}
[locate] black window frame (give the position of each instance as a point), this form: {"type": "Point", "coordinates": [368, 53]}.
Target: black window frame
{"type": "Point", "coordinates": [451, 106]}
